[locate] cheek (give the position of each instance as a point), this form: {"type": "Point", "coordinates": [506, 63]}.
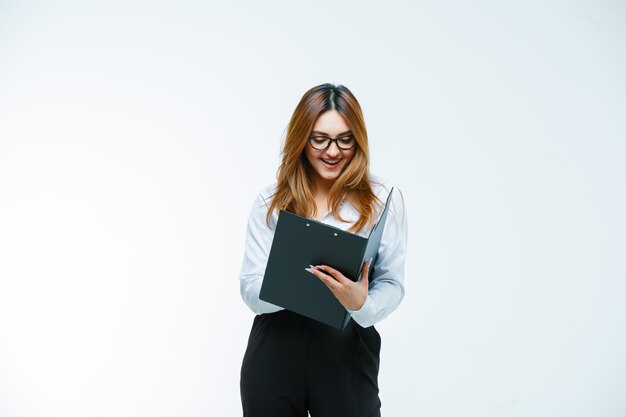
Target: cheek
{"type": "Point", "coordinates": [310, 157]}
{"type": "Point", "coordinates": [349, 158]}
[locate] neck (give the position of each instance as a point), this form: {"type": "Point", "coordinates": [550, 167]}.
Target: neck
{"type": "Point", "coordinates": [322, 187]}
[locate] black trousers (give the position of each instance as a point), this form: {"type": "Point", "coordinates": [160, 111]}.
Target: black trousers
{"type": "Point", "coordinates": [294, 364]}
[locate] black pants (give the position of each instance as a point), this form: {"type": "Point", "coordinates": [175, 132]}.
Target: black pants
{"type": "Point", "coordinates": [294, 364]}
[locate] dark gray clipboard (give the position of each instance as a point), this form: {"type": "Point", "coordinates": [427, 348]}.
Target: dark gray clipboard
{"type": "Point", "coordinates": [299, 242]}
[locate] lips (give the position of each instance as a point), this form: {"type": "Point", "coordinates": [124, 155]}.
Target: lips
{"type": "Point", "coordinates": [330, 162]}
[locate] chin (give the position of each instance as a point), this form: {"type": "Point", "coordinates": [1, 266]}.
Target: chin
{"type": "Point", "coordinates": [329, 176]}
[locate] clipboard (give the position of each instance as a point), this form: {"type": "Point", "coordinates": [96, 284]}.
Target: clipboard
{"type": "Point", "coordinates": [299, 242]}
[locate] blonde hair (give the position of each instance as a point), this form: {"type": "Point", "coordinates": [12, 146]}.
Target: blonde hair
{"type": "Point", "coordinates": [294, 186]}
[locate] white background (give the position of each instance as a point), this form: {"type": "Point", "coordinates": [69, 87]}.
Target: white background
{"type": "Point", "coordinates": [135, 136]}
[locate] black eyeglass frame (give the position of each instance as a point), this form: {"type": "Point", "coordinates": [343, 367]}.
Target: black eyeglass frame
{"type": "Point", "coordinates": [331, 140]}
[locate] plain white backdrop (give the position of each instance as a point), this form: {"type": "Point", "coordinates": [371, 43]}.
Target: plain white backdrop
{"type": "Point", "coordinates": [134, 137]}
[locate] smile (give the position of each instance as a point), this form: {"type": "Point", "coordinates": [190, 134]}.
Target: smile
{"type": "Point", "coordinates": [329, 162]}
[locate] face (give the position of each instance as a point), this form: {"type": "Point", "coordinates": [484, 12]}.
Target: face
{"type": "Point", "coordinates": [331, 124]}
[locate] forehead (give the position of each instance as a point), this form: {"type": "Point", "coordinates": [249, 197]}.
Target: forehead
{"type": "Point", "coordinates": [331, 122]}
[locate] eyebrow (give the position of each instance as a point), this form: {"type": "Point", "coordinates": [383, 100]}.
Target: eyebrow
{"type": "Point", "coordinates": [324, 133]}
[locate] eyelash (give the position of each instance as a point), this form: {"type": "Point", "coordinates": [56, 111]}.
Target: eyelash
{"type": "Point", "coordinates": [346, 136]}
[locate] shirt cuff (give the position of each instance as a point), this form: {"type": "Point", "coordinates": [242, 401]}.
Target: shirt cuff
{"type": "Point", "coordinates": [364, 315]}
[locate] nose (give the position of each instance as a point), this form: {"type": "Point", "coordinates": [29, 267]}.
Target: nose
{"type": "Point", "coordinates": [333, 150]}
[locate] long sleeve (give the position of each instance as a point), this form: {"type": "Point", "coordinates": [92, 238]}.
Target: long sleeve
{"type": "Point", "coordinates": [257, 247]}
{"type": "Point", "coordinates": [386, 287]}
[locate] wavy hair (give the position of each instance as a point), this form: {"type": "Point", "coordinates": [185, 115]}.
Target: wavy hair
{"type": "Point", "coordinates": [295, 173]}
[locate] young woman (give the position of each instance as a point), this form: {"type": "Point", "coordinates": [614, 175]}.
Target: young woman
{"type": "Point", "coordinates": [293, 364]}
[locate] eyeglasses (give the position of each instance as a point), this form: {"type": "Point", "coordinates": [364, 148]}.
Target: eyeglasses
{"type": "Point", "coordinates": [321, 143]}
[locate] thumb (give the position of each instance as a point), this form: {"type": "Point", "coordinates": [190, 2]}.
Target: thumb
{"type": "Point", "coordinates": [365, 273]}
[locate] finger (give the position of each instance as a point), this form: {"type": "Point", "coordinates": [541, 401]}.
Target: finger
{"type": "Point", "coordinates": [328, 280]}
{"type": "Point", "coordinates": [338, 276]}
{"type": "Point", "coordinates": [366, 272]}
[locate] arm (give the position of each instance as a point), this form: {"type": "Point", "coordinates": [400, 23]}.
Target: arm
{"type": "Point", "coordinates": [386, 289]}
{"type": "Point", "coordinates": [258, 243]}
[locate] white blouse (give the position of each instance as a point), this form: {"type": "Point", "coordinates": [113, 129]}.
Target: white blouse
{"type": "Point", "coordinates": [386, 286]}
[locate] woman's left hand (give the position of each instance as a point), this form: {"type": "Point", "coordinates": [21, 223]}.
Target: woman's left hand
{"type": "Point", "coordinates": [350, 294]}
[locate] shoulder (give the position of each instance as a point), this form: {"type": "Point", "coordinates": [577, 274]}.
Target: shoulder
{"type": "Point", "coordinates": [265, 194]}
{"type": "Point", "coordinates": [382, 186]}
{"type": "Point", "coordinates": [260, 207]}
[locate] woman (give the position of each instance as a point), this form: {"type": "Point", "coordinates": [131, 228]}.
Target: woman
{"type": "Point", "coordinates": [294, 364]}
